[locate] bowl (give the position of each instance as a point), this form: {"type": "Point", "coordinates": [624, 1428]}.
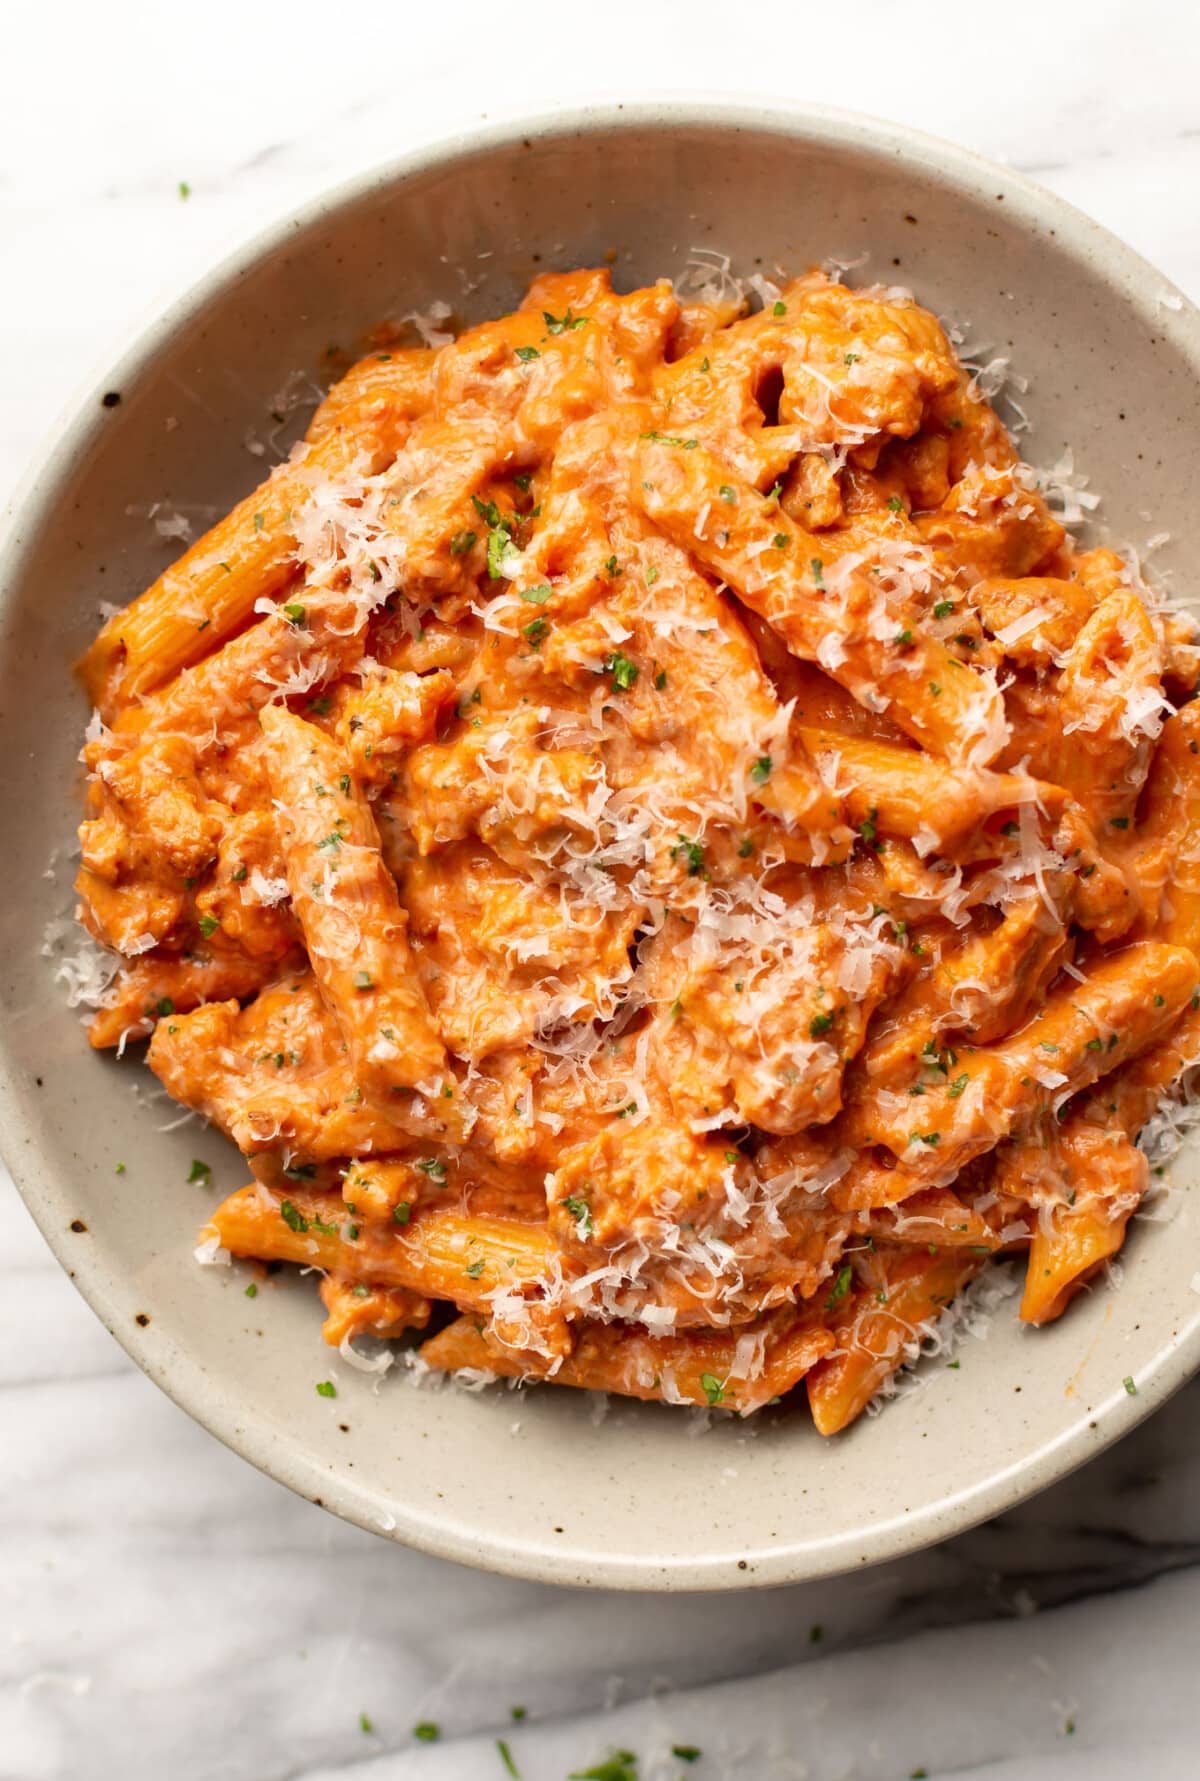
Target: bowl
{"type": "Point", "coordinates": [538, 1484]}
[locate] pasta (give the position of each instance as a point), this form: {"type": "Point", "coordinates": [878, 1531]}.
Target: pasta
{"type": "Point", "coordinates": [658, 847]}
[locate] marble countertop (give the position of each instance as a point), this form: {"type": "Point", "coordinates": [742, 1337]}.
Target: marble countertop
{"type": "Point", "coordinates": [164, 1610]}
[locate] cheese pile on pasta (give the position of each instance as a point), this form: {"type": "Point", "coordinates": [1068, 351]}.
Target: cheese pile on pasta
{"type": "Point", "coordinates": [657, 847]}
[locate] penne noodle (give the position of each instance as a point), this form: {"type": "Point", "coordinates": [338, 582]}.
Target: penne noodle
{"type": "Point", "coordinates": [349, 912]}
{"type": "Point", "coordinates": [249, 556]}
{"type": "Point", "coordinates": [731, 1370]}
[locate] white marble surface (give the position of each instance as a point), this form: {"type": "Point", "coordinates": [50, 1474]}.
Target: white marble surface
{"type": "Point", "coordinates": [165, 1611]}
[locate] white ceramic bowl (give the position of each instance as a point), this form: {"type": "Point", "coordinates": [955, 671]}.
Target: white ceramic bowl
{"type": "Point", "coordinates": [532, 1483]}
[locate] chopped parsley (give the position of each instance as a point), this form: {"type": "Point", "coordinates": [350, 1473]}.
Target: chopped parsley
{"type": "Point", "coordinates": [581, 1212]}
{"type": "Point", "coordinates": [462, 542]}
{"type": "Point", "coordinates": [500, 551]}
{"type": "Point", "coordinates": [820, 1023]}
{"type": "Point", "coordinates": [326, 1389]}
{"type": "Point", "coordinates": [712, 1387]}
{"type": "Point", "coordinates": [525, 353]}
{"type": "Point", "coordinates": [364, 1724]}
{"type": "Point", "coordinates": [565, 324]}
{"type": "Point", "coordinates": [292, 1217]}
{"type": "Point", "coordinates": [363, 980]}
{"type": "Point", "coordinates": [760, 772]}
{"type": "Point", "coordinates": [895, 504]}
{"type": "Point", "coordinates": [507, 1759]}
{"type": "Point", "coordinates": [624, 672]}
{"type": "Point", "coordinates": [1130, 1387]}
{"type": "Point", "coordinates": [693, 852]}
{"type": "Point", "coordinates": [727, 493]}
{"type": "Point", "coordinates": [669, 439]}
{"type": "Point", "coordinates": [475, 1269]}
{"type": "Point", "coordinates": [780, 308]}
{"type": "Point", "coordinates": [252, 1291]}
{"type": "Point", "coordinates": [621, 1765]}
{"type": "Point", "coordinates": [841, 1286]}
{"type": "Point", "coordinates": [780, 541]}
{"type": "Point", "coordinates": [295, 614]}
{"type": "Point", "coordinates": [687, 1752]}
{"type": "Point", "coordinates": [536, 630]}
{"type": "Point", "coordinates": [818, 571]}
{"type": "Point", "coordinates": [943, 609]}
{"type": "Point", "coordinates": [402, 1213]}
{"type": "Point", "coordinates": [200, 1172]}
{"type": "Point", "coordinates": [427, 1731]}
{"type": "Point", "coordinates": [955, 1088]}
{"type": "Point", "coordinates": [537, 596]}
{"type": "Point", "coordinates": [208, 925]}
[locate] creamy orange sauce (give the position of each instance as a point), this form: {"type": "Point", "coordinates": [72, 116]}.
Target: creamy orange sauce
{"type": "Point", "coordinates": [658, 847]}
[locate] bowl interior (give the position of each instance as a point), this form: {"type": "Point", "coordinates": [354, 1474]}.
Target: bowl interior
{"type": "Point", "coordinates": [536, 1483]}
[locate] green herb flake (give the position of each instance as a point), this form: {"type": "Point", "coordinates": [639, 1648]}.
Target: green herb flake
{"type": "Point", "coordinates": [475, 1269]}
{"type": "Point", "coordinates": [687, 1752]}
{"type": "Point", "coordinates": [536, 631]}
{"type": "Point", "coordinates": [943, 609]}
{"type": "Point", "coordinates": [780, 308]}
{"type": "Point", "coordinates": [621, 1765]}
{"type": "Point", "coordinates": [293, 1217]}
{"type": "Point", "coordinates": [713, 1388]}
{"type": "Point", "coordinates": [537, 596]}
{"type": "Point", "coordinates": [780, 541]}
{"type": "Point", "coordinates": [462, 542]}
{"type": "Point", "coordinates": [660, 680]}
{"type": "Point", "coordinates": [818, 571]}
{"type": "Point", "coordinates": [326, 1389]}
{"type": "Point", "coordinates": [955, 1088]}
{"type": "Point", "coordinates": [581, 1212]}
{"type": "Point", "coordinates": [624, 672]}
{"type": "Point", "coordinates": [820, 1023]}
{"type": "Point", "coordinates": [760, 772]}
{"type": "Point", "coordinates": [651, 576]}
{"type": "Point", "coordinates": [506, 1758]}
{"type": "Point", "coordinates": [669, 439]}
{"type": "Point", "coordinates": [728, 494]}
{"type": "Point", "coordinates": [427, 1731]}
{"type": "Point", "coordinates": [841, 1286]}
{"type": "Point", "coordinates": [295, 614]}
{"type": "Point", "coordinates": [565, 324]}
{"type": "Point", "coordinates": [208, 925]}
{"type": "Point", "coordinates": [363, 980]}
{"type": "Point", "coordinates": [434, 1167]}
{"type": "Point", "coordinates": [895, 504]}
{"type": "Point", "coordinates": [200, 1172]}
{"type": "Point", "coordinates": [525, 353]}
{"type": "Point", "coordinates": [500, 551]}
{"type": "Point", "coordinates": [252, 1291]}
{"type": "Point", "coordinates": [1130, 1387]}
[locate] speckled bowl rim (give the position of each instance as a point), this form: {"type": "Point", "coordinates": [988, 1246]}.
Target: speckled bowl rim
{"type": "Point", "coordinates": [183, 1378]}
